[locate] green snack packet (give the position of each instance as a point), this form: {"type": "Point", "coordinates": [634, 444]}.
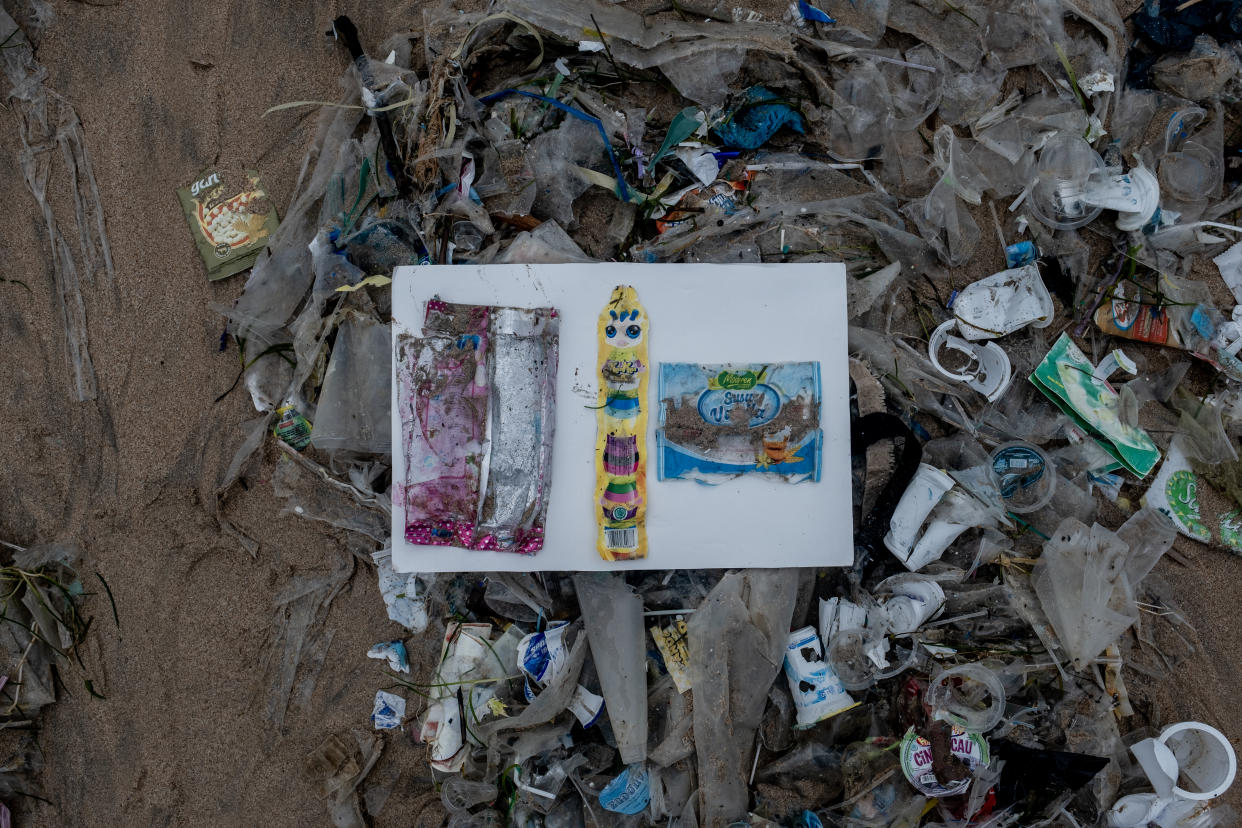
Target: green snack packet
{"type": "Point", "coordinates": [1065, 377]}
{"type": "Point", "coordinates": [292, 427]}
{"type": "Point", "coordinates": [231, 219]}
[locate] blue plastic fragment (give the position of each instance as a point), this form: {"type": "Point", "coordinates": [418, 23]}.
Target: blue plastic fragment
{"type": "Point", "coordinates": [808, 819]}
{"type": "Point", "coordinates": [813, 14]}
{"type": "Point", "coordinates": [752, 123]}
{"type": "Point", "coordinates": [628, 793]}
{"type": "Point", "coordinates": [1021, 253]}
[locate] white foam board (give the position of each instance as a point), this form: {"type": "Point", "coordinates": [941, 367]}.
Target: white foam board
{"type": "Point", "coordinates": [706, 313]}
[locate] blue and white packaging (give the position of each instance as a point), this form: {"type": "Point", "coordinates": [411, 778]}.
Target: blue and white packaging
{"type": "Point", "coordinates": [388, 710]}
{"type": "Point", "coordinates": [628, 793]}
{"type": "Point", "coordinates": [817, 691]}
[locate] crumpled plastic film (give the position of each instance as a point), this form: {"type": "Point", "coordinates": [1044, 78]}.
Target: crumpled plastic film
{"type": "Point", "coordinates": [736, 641]}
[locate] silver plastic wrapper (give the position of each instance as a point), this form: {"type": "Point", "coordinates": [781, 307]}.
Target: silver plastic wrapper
{"type": "Point", "coordinates": [517, 472]}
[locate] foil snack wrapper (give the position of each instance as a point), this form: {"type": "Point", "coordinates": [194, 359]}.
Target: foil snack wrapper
{"type": "Point", "coordinates": [522, 418]}
{"type": "Point", "coordinates": [477, 397]}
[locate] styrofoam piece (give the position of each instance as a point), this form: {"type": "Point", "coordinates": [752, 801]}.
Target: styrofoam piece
{"type": "Point", "coordinates": [1003, 303]}
{"type": "Point", "coordinates": [990, 371]}
{"type": "Point", "coordinates": [928, 485]}
{"type": "Point", "coordinates": [1203, 755]}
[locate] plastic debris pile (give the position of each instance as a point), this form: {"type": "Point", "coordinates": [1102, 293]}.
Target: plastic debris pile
{"type": "Point", "coordinates": [1044, 281]}
{"type": "Point", "coordinates": [43, 630]}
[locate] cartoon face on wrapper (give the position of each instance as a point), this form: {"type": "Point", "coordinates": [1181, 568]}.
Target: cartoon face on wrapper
{"type": "Point", "coordinates": [625, 328]}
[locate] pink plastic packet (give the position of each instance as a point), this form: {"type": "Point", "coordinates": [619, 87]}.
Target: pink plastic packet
{"type": "Point", "coordinates": [476, 395]}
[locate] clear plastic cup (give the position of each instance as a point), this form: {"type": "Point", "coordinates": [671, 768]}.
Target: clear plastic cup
{"type": "Point", "coordinates": [1065, 164]}
{"type": "Point", "coordinates": [1025, 476]}
{"type": "Point", "coordinates": [1192, 173]}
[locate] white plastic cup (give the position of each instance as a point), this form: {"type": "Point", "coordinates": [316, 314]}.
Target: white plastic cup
{"type": "Point", "coordinates": [836, 614]}
{"type": "Point", "coordinates": [1134, 195]}
{"type": "Point", "coordinates": [1134, 810]}
{"type": "Point", "coordinates": [1065, 164]}
{"type": "Point", "coordinates": [1204, 756]}
{"type": "Point", "coordinates": [915, 599]}
{"type": "Point", "coordinates": [920, 497]}
{"type": "Point", "coordinates": [990, 371]}
{"type": "Point", "coordinates": [936, 539]}
{"type": "Point", "coordinates": [585, 706]}
{"type": "Point", "coordinates": [442, 731]}
{"type": "Point", "coordinates": [1003, 303]}
{"type": "Point", "coordinates": [817, 691]}
{"type": "Point", "coordinates": [1159, 765]}
{"type": "Point", "coordinates": [940, 697]}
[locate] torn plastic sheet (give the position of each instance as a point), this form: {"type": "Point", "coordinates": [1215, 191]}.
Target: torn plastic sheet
{"type": "Point", "coordinates": [301, 605]}
{"type": "Point", "coordinates": [634, 42]}
{"type": "Point", "coordinates": [737, 640]}
{"type": "Point", "coordinates": [309, 491]}
{"type": "Point", "coordinates": [551, 700]}
{"type": "Point", "coordinates": [282, 274]}
{"type": "Point", "coordinates": [388, 711]}
{"type": "Point", "coordinates": [337, 768]}
{"type": "Point", "coordinates": [1003, 303]}
{"type": "Point", "coordinates": [476, 396]}
{"type": "Point", "coordinates": [1082, 587]}
{"type": "Point", "coordinates": [612, 614]}
{"type": "Point", "coordinates": [756, 118]}
{"type": "Point", "coordinates": [623, 192]}
{"type": "Point", "coordinates": [1229, 264]}
{"type": "Point", "coordinates": [354, 412]}
{"type": "Point", "coordinates": [394, 653]}
{"type": "Point", "coordinates": [47, 122]}
{"type": "Point", "coordinates": [404, 593]}
{"type": "Point", "coordinates": [254, 430]}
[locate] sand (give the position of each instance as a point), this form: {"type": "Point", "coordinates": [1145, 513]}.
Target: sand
{"type": "Point", "coordinates": [165, 89]}
{"type": "Point", "coordinates": [181, 738]}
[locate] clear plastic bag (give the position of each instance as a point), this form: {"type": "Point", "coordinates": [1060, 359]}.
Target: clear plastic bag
{"type": "Point", "coordinates": [354, 412]}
